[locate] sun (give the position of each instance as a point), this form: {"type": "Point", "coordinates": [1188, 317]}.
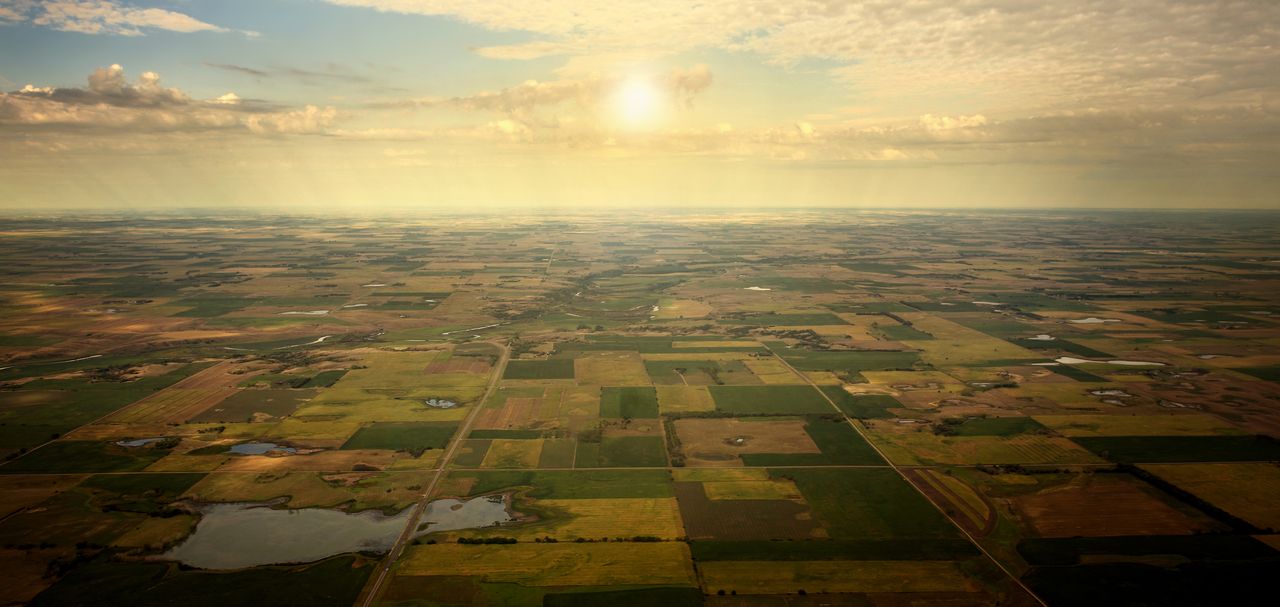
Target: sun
{"type": "Point", "coordinates": [638, 102]}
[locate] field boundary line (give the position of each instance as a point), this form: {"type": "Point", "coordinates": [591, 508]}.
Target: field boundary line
{"type": "Point", "coordinates": [373, 591]}
{"type": "Point", "coordinates": [96, 421]}
{"type": "Point", "coordinates": [858, 428]}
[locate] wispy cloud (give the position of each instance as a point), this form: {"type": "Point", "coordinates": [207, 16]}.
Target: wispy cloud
{"type": "Point", "coordinates": [102, 17]}
{"type": "Point", "coordinates": [327, 74]}
{"type": "Point", "coordinates": [991, 52]}
{"type": "Point", "coordinates": [679, 86]}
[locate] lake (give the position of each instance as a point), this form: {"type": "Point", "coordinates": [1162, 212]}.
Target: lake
{"type": "Point", "coordinates": [236, 535]}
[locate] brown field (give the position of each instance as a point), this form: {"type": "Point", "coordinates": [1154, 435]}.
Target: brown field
{"type": "Point", "coordinates": [24, 574]}
{"type": "Point", "coordinates": [744, 519]}
{"type": "Point", "coordinates": [1096, 505]}
{"type": "Point", "coordinates": [1270, 540]}
{"type": "Point", "coordinates": [312, 489]}
{"type": "Point", "coordinates": [739, 355]}
{"type": "Point", "coordinates": [116, 431]}
{"type": "Point", "coordinates": [18, 492]}
{"type": "Point", "coordinates": [1250, 491]}
{"type": "Point", "coordinates": [155, 532]}
{"type": "Point", "coordinates": [708, 442]}
{"type": "Point", "coordinates": [916, 446]}
{"type": "Point", "coordinates": [1179, 424]}
{"type": "Point", "coordinates": [510, 453]}
{"type": "Point", "coordinates": [601, 518]}
{"type": "Point", "coordinates": [772, 371]}
{"type": "Point", "coordinates": [564, 564]}
{"type": "Point", "coordinates": [183, 400]}
{"type": "Point", "coordinates": [178, 462]}
{"type": "Point", "coordinates": [675, 399]}
{"type": "Point", "coordinates": [728, 343]}
{"type": "Point", "coordinates": [766, 489]}
{"type": "Point", "coordinates": [516, 412]}
{"type": "Point", "coordinates": [196, 334]}
{"type": "Point", "coordinates": [610, 369]}
{"type": "Point", "coordinates": [759, 577]}
{"type": "Point", "coordinates": [710, 475]}
{"type": "Point", "coordinates": [683, 308]}
{"type": "Point", "coordinates": [322, 461]}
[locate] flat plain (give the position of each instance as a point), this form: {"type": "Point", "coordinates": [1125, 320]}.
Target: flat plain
{"type": "Point", "coordinates": [792, 408]}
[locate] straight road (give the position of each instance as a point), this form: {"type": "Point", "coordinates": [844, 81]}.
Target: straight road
{"type": "Point", "coordinates": [858, 428]}
{"type": "Point", "coordinates": [374, 590]}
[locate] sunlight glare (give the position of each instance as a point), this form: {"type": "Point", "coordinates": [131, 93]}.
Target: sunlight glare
{"type": "Point", "coordinates": [638, 102]}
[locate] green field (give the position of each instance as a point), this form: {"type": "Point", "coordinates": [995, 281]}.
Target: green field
{"type": "Point", "coordinates": [628, 402]}
{"type": "Point", "coordinates": [868, 503]}
{"type": "Point", "coordinates": [1160, 449]}
{"type": "Point", "coordinates": [84, 456]}
{"type": "Point", "coordinates": [622, 451]}
{"type": "Point", "coordinates": [334, 581]}
{"type": "Point", "coordinates": [866, 406]}
{"type": "Point", "coordinates": [539, 369]}
{"type": "Point", "coordinates": [402, 436]}
{"type": "Point", "coordinates": [993, 426]}
{"type": "Point", "coordinates": [834, 550]}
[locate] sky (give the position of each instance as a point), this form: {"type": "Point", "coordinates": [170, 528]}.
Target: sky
{"type": "Point", "coordinates": [354, 105]}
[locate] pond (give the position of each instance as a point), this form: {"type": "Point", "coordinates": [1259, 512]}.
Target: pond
{"type": "Point", "coordinates": [451, 514]}
{"type": "Point", "coordinates": [1092, 320]}
{"type": "Point", "coordinates": [140, 442]}
{"type": "Point", "coordinates": [1071, 360]}
{"type": "Point", "coordinates": [259, 448]}
{"type": "Point", "coordinates": [236, 535]}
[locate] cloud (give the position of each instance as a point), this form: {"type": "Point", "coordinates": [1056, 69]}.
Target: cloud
{"type": "Point", "coordinates": [101, 17]}
{"type": "Point", "coordinates": [905, 56]}
{"type": "Point", "coordinates": [531, 94]}
{"type": "Point", "coordinates": [679, 85]}
{"type": "Point", "coordinates": [330, 73]}
{"type": "Point", "coordinates": [308, 120]}
{"type": "Point", "coordinates": [227, 99]}
{"type": "Point", "coordinates": [240, 69]}
{"type": "Point", "coordinates": [111, 103]}
{"type": "Point", "coordinates": [686, 84]}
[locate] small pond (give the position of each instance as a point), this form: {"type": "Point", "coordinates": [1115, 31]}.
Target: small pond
{"type": "Point", "coordinates": [140, 442]}
{"type": "Point", "coordinates": [259, 448]}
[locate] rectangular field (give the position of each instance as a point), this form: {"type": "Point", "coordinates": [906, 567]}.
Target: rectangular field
{"type": "Point", "coordinates": [769, 399]}
{"type": "Point", "coordinates": [564, 564]}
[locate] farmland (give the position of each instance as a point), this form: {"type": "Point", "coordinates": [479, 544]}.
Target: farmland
{"type": "Point", "coordinates": [565, 413]}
